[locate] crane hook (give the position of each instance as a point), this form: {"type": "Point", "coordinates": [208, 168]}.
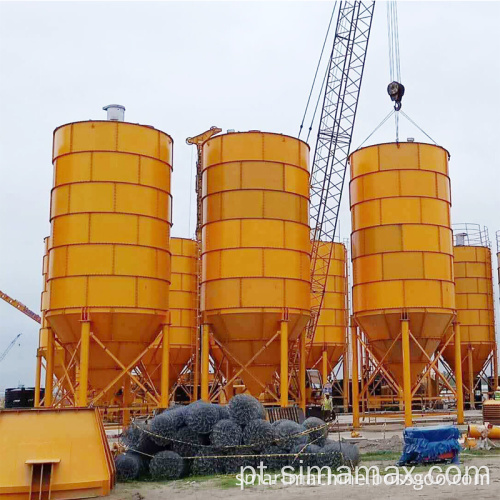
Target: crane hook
{"type": "Point", "coordinates": [396, 92]}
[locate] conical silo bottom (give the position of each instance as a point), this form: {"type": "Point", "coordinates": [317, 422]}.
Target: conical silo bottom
{"type": "Point", "coordinates": [333, 354]}
{"type": "Point", "coordinates": [125, 336]}
{"type": "Point", "coordinates": [480, 354]}
{"type": "Point", "coordinates": [247, 335]}
{"type": "Point", "coordinates": [382, 329]}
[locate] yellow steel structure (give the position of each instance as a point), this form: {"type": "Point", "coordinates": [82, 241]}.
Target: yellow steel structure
{"type": "Point", "coordinates": [52, 352]}
{"type": "Point", "coordinates": [402, 250]}
{"type": "Point", "coordinates": [329, 342]}
{"type": "Point", "coordinates": [355, 374]}
{"type": "Point", "coordinates": [183, 313]}
{"type": "Point", "coordinates": [256, 250]}
{"type": "Point", "coordinates": [475, 311]}
{"type": "Point", "coordinates": [109, 257]}
{"type": "Point", "coordinates": [496, 380]}
{"type": "Point", "coordinates": [54, 454]}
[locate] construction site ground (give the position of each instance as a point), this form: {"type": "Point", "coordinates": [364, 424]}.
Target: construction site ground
{"type": "Point", "coordinates": [380, 445]}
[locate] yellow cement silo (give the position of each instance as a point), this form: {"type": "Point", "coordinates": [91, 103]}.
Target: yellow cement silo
{"type": "Point", "coordinates": [402, 253]}
{"type": "Point", "coordinates": [474, 301]}
{"type": "Point", "coordinates": [183, 300]}
{"type": "Point", "coordinates": [109, 257]}
{"type": "Point", "coordinates": [329, 342]}
{"type": "Point", "coordinates": [255, 251]}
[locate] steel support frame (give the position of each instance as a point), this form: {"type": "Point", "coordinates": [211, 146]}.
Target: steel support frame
{"type": "Point", "coordinates": [375, 367]}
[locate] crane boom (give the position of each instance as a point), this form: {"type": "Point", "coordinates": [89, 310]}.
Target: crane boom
{"type": "Point", "coordinates": [20, 307]}
{"type": "Point", "coordinates": [9, 347]}
{"type": "Point", "coordinates": [345, 73]}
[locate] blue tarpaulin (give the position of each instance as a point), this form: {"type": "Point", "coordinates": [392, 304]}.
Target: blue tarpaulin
{"type": "Point", "coordinates": [426, 444]}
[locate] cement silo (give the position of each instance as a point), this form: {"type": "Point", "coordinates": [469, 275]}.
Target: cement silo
{"type": "Point", "coordinates": [255, 294]}
{"type": "Point", "coordinates": [109, 257]}
{"type": "Point", "coordinates": [329, 342]}
{"type": "Point", "coordinates": [183, 298]}
{"type": "Point", "coordinates": [474, 301]}
{"type": "Point", "coordinates": [402, 255]}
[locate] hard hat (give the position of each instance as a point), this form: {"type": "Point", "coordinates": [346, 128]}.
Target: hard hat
{"type": "Point", "coordinates": [498, 388]}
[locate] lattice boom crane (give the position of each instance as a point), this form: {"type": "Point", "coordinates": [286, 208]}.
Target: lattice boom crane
{"type": "Point", "coordinates": [343, 83]}
{"type": "Point", "coordinates": [20, 307]}
{"type": "Point", "coordinates": [9, 347]}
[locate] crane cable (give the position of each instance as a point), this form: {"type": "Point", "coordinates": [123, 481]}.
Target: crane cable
{"type": "Point", "coordinates": [395, 67]}
{"type": "Point", "coordinates": [395, 89]}
{"type": "Point", "coordinates": [314, 79]}
{"type": "Point", "coordinates": [393, 38]}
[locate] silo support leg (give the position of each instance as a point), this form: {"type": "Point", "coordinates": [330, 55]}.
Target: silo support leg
{"type": "Point", "coordinates": [458, 374]}
{"type": "Point", "coordinates": [302, 372]}
{"type": "Point", "coordinates": [345, 385]}
{"type": "Point", "coordinates": [405, 341]}
{"type": "Point", "coordinates": [471, 380]}
{"type": "Point", "coordinates": [355, 378]}
{"type": "Point", "coordinates": [165, 367]}
{"type": "Point", "coordinates": [84, 363]}
{"type": "Point", "coordinates": [495, 368]}
{"type": "Point", "coordinates": [324, 373]}
{"type": "Point", "coordinates": [284, 365]}
{"type": "Point", "coordinates": [38, 375]}
{"type": "Point", "coordinates": [127, 390]}
{"type": "Point", "coordinates": [49, 369]}
{"type": "Point", "coordinates": [205, 362]}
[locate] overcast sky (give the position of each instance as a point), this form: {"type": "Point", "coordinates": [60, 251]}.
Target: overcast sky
{"type": "Point", "coordinates": [183, 67]}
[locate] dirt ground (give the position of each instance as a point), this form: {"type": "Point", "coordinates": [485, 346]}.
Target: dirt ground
{"type": "Point", "coordinates": [223, 486]}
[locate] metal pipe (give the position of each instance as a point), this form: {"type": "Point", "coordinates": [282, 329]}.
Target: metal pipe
{"type": "Point", "coordinates": [324, 373]}
{"type": "Point", "coordinates": [84, 363]}
{"type": "Point", "coordinates": [127, 383]}
{"type": "Point", "coordinates": [345, 381]}
{"type": "Point", "coordinates": [355, 377]}
{"type": "Point", "coordinates": [495, 368]}
{"type": "Point", "coordinates": [284, 364]}
{"type": "Point", "coordinates": [405, 344]}
{"type": "Point", "coordinates": [165, 367]}
{"type": "Point", "coordinates": [471, 379]}
{"type": "Point", "coordinates": [49, 369]}
{"type": "Point", "coordinates": [205, 362]}
{"type": "Point", "coordinates": [196, 377]}
{"type": "Point", "coordinates": [38, 375]}
{"type": "Point", "coordinates": [458, 375]}
{"type": "Point", "coordinates": [478, 431]}
{"type": "Point", "coordinates": [302, 371]}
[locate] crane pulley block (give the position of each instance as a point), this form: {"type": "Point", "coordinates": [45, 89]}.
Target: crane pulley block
{"type": "Point", "coordinates": [396, 92]}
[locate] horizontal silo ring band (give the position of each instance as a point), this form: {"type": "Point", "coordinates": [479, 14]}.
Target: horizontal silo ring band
{"type": "Point", "coordinates": [259, 190]}
{"type": "Point", "coordinates": [92, 182]}
{"type": "Point", "coordinates": [86, 212]}
{"type": "Point", "coordinates": [256, 219]}
{"type": "Point", "coordinates": [259, 277]}
{"type": "Point", "coordinates": [403, 224]}
{"type": "Point", "coordinates": [403, 197]}
{"type": "Point", "coordinates": [77, 310]}
{"type": "Point", "coordinates": [139, 125]}
{"type": "Point", "coordinates": [105, 151]}
{"type": "Point", "coordinates": [432, 252]}
{"type": "Point", "coordinates": [402, 280]}
{"type": "Point", "coordinates": [111, 243]}
{"type": "Point", "coordinates": [249, 162]}
{"type": "Point", "coordinates": [228, 249]}
{"type": "Point", "coordinates": [391, 197]}
{"type": "Point", "coordinates": [70, 276]}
